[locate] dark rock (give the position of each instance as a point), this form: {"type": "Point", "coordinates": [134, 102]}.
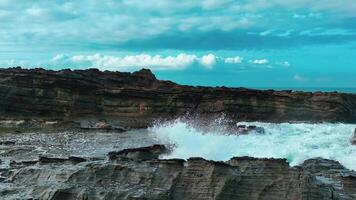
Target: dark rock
{"type": "Point", "coordinates": [102, 125]}
{"type": "Point", "coordinates": [145, 74]}
{"type": "Point", "coordinates": [233, 128]}
{"type": "Point", "coordinates": [241, 178]}
{"type": "Point", "coordinates": [243, 129]}
{"type": "Point", "coordinates": [14, 163]}
{"type": "Point", "coordinates": [318, 164]}
{"type": "Point", "coordinates": [76, 159]}
{"type": "Point", "coordinates": [137, 99]}
{"type": "Point", "coordinates": [353, 139]}
{"type": "Point", "coordinates": [44, 159]}
{"type": "Point", "coordinates": [141, 153]}
{"type": "Point", "coordinates": [7, 142]}
{"type": "Point", "coordinates": [73, 159]}
{"type": "Point", "coordinates": [331, 178]}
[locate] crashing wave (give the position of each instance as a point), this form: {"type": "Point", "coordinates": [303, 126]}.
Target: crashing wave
{"type": "Point", "coordinates": [296, 142]}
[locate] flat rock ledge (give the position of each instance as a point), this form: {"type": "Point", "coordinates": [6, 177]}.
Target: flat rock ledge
{"type": "Point", "coordinates": [135, 174]}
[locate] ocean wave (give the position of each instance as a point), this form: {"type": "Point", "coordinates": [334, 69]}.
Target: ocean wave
{"type": "Point", "coordinates": [294, 141]}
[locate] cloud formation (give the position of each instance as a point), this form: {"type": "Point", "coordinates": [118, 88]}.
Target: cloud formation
{"type": "Point", "coordinates": [233, 60]}
{"type": "Point", "coordinates": [105, 62]}
{"type": "Point", "coordinates": [208, 60]}
{"type": "Point", "coordinates": [215, 36]}
{"type": "Point", "coordinates": [300, 78]}
{"type": "Point", "coordinates": [157, 62]}
{"type": "Point", "coordinates": [132, 62]}
{"type": "Point", "coordinates": [259, 61]}
{"type": "Point", "coordinates": [184, 24]}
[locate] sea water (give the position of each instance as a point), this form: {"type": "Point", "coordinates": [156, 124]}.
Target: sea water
{"type": "Point", "coordinates": [294, 141]}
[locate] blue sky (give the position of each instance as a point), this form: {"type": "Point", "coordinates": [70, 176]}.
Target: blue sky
{"type": "Point", "coordinates": [255, 43]}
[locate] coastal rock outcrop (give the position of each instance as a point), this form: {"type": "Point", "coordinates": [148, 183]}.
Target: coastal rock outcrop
{"type": "Point", "coordinates": [134, 100]}
{"type": "Point", "coordinates": [239, 178]}
{"type": "Point", "coordinates": [141, 153]}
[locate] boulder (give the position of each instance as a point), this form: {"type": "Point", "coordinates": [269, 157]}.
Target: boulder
{"type": "Point", "coordinates": [243, 129]}
{"type": "Point", "coordinates": [140, 153]}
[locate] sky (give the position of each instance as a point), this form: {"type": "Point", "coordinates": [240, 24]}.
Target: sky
{"type": "Point", "coordinates": [238, 43]}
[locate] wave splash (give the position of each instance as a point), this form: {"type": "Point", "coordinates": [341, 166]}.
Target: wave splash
{"type": "Point", "coordinates": [294, 141]}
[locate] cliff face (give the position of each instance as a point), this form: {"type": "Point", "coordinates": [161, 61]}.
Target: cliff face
{"type": "Point", "coordinates": [139, 96]}
{"type": "Point", "coordinates": [135, 174]}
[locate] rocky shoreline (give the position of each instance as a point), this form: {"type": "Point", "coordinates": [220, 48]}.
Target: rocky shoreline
{"type": "Point", "coordinates": [92, 102]}
{"type": "Point", "coordinates": [139, 174]}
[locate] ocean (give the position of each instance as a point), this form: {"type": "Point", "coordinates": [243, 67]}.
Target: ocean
{"type": "Point", "coordinates": [312, 89]}
{"type": "Point", "coordinates": [295, 142]}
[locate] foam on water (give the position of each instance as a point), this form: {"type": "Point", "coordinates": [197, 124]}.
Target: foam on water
{"type": "Point", "coordinates": [294, 141]}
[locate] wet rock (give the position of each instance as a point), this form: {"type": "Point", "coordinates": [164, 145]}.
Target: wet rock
{"type": "Point", "coordinates": [243, 129]}
{"type": "Point", "coordinates": [22, 163]}
{"type": "Point", "coordinates": [101, 125]}
{"type": "Point", "coordinates": [61, 124]}
{"type": "Point", "coordinates": [141, 153]}
{"type": "Point", "coordinates": [331, 178]}
{"type": "Point", "coordinates": [76, 159]}
{"type": "Point", "coordinates": [240, 178]}
{"type": "Point", "coordinates": [73, 159]}
{"type": "Point", "coordinates": [353, 139]}
{"type": "Point", "coordinates": [319, 164]}
{"type": "Point", "coordinates": [7, 142]}
{"type": "Point", "coordinates": [14, 151]}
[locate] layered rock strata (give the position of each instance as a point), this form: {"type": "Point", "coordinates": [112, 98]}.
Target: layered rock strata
{"type": "Point", "coordinates": [144, 177]}
{"type": "Point", "coordinates": [93, 99]}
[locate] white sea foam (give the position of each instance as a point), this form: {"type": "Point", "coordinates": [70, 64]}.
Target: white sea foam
{"type": "Point", "coordinates": [294, 141]}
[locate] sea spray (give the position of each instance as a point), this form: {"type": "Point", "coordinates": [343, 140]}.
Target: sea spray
{"type": "Point", "coordinates": [294, 141]}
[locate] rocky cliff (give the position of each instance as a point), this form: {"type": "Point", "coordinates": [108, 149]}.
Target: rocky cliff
{"type": "Point", "coordinates": [135, 99]}
{"type": "Point", "coordinates": [138, 174]}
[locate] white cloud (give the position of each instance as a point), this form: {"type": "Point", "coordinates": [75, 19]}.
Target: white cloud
{"type": "Point", "coordinates": [35, 11]}
{"type": "Point", "coordinates": [233, 60]}
{"type": "Point", "coordinates": [285, 33]}
{"type": "Point", "coordinates": [159, 62]}
{"type": "Point", "coordinates": [259, 62]}
{"type": "Point", "coordinates": [284, 64]}
{"type": "Point", "coordinates": [13, 63]}
{"type": "Point", "coordinates": [133, 62]}
{"type": "Point", "coordinates": [208, 61]}
{"type": "Point", "coordinates": [309, 15]}
{"type": "Point", "coordinates": [326, 32]}
{"type": "Point", "coordinates": [331, 6]}
{"type": "Point", "coordinates": [215, 4]}
{"type": "Point", "coordinates": [156, 62]}
{"type": "Point", "coordinates": [58, 57]}
{"type": "Point", "coordinates": [267, 32]}
{"type": "Point", "coordinates": [41, 23]}
{"type": "Point", "coordinates": [300, 78]}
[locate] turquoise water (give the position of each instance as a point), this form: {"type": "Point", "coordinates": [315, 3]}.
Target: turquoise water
{"type": "Point", "coordinates": [296, 142]}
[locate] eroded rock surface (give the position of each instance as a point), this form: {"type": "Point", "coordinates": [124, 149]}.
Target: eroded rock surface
{"type": "Point", "coordinates": [132, 100]}
{"type": "Point", "coordinates": [239, 178]}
